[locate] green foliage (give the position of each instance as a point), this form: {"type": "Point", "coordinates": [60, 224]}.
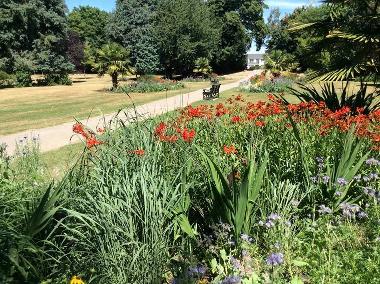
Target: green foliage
{"type": "Point", "coordinates": [23, 79]}
{"type": "Point", "coordinates": [232, 202]}
{"type": "Point", "coordinates": [363, 98]}
{"type": "Point", "coordinates": [6, 79]}
{"type": "Point", "coordinates": [90, 24]}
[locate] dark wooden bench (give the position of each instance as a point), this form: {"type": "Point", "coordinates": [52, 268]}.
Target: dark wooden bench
{"type": "Point", "coordinates": [212, 93]}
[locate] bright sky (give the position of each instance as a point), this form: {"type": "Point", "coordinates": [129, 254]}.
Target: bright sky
{"type": "Point", "coordinates": [286, 6]}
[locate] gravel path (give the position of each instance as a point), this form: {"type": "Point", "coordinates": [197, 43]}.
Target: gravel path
{"type": "Point", "coordinates": [55, 137]}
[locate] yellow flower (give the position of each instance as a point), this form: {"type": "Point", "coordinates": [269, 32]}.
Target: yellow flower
{"type": "Point", "coordinates": [76, 280]}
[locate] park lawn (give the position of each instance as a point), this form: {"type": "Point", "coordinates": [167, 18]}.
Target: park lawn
{"type": "Point", "coordinates": [39, 107]}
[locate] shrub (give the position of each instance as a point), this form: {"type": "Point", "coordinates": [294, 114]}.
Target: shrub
{"type": "Point", "coordinates": [148, 86]}
{"type": "Point", "coordinates": [57, 79]}
{"type": "Point", "coordinates": [276, 85]}
{"type": "Point", "coordinates": [23, 79]}
{"type": "Point", "coordinates": [6, 80]}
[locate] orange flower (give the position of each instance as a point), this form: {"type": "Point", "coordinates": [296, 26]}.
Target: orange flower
{"type": "Point", "coordinates": [228, 150]}
{"type": "Point", "coordinates": [160, 129]}
{"type": "Point", "coordinates": [236, 119]}
{"type": "Point", "coordinates": [260, 123]}
{"type": "Point", "coordinates": [100, 130]}
{"type": "Point", "coordinates": [79, 129]}
{"type": "Point", "coordinates": [92, 141]}
{"type": "Point", "coordinates": [138, 152]}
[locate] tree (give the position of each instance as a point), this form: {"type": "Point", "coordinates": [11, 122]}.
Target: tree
{"type": "Point", "coordinates": [277, 60]}
{"type": "Point", "coordinates": [202, 66]}
{"type": "Point", "coordinates": [90, 24]}
{"type": "Point", "coordinates": [184, 31]}
{"type": "Point", "coordinates": [112, 59]}
{"type": "Point", "coordinates": [34, 28]}
{"type": "Point", "coordinates": [75, 50]}
{"type": "Point", "coordinates": [240, 22]}
{"type": "Point", "coordinates": [131, 25]}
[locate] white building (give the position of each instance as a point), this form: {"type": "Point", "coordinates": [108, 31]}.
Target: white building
{"type": "Point", "coordinates": [255, 60]}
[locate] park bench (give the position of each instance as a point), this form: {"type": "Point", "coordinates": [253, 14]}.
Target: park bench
{"type": "Point", "coordinates": [212, 93]}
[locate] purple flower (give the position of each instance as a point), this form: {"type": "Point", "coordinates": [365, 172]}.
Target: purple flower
{"type": "Point", "coordinates": [373, 176]}
{"type": "Point", "coordinates": [325, 179]}
{"type": "Point", "coordinates": [349, 210]}
{"type": "Point", "coordinates": [275, 259]}
{"type": "Point", "coordinates": [314, 179]}
{"type": "Point", "coordinates": [288, 223]}
{"type": "Point", "coordinates": [246, 238]}
{"type": "Point", "coordinates": [269, 224]}
{"type": "Point", "coordinates": [235, 263]}
{"type": "Point", "coordinates": [196, 271]}
{"type": "Point", "coordinates": [338, 193]}
{"type": "Point", "coordinates": [277, 245]}
{"type": "Point", "coordinates": [341, 182]}
{"type": "Point", "coordinates": [261, 223]}
{"type": "Point", "coordinates": [372, 162]}
{"type": "Point", "coordinates": [232, 279]}
{"type": "Point", "coordinates": [357, 178]}
{"type": "Point", "coordinates": [319, 160]}
{"type": "Point", "coordinates": [362, 215]}
{"type": "Point", "coordinates": [324, 210]}
{"type": "Point", "coordinates": [274, 217]}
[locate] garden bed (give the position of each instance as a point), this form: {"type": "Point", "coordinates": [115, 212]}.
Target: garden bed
{"type": "Point", "coordinates": [238, 192]}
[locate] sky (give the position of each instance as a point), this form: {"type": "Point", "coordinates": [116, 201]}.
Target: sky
{"type": "Point", "coordinates": [285, 6]}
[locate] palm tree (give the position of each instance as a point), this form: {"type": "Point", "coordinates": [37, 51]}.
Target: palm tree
{"type": "Point", "coordinates": [202, 65]}
{"type": "Point", "coordinates": [113, 59]}
{"type": "Point", "coordinates": [352, 25]}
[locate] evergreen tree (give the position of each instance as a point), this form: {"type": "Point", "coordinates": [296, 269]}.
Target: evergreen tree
{"type": "Point", "coordinates": [131, 26]}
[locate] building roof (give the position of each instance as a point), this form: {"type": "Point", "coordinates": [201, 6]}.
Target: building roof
{"type": "Point", "coordinates": [255, 56]}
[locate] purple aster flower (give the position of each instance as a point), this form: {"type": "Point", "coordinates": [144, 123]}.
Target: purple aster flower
{"type": "Point", "coordinates": [196, 271]}
{"type": "Point", "coordinates": [362, 215]}
{"type": "Point", "coordinates": [338, 193]}
{"type": "Point", "coordinates": [357, 178]}
{"type": "Point", "coordinates": [261, 223]}
{"type": "Point", "coordinates": [269, 224]}
{"type": "Point", "coordinates": [324, 210]}
{"type": "Point", "coordinates": [246, 238]}
{"type": "Point", "coordinates": [319, 160]}
{"type": "Point", "coordinates": [274, 217]}
{"type": "Point", "coordinates": [235, 263]}
{"type": "Point", "coordinates": [372, 162]}
{"type": "Point", "coordinates": [349, 210]}
{"type": "Point", "coordinates": [275, 259]}
{"type": "Point", "coordinates": [366, 179]}
{"type": "Point", "coordinates": [232, 279]}
{"type": "Point", "coordinates": [341, 182]}
{"type": "Point", "coordinates": [373, 176]}
{"type": "Point", "coordinates": [325, 179]}
{"type": "Point", "coordinates": [314, 179]}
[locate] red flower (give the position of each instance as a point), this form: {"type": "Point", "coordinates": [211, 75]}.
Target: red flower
{"type": "Point", "coordinates": [138, 152]}
{"type": "Point", "coordinates": [187, 135]}
{"type": "Point", "coordinates": [236, 119]}
{"type": "Point", "coordinates": [228, 150]}
{"type": "Point", "coordinates": [92, 141]}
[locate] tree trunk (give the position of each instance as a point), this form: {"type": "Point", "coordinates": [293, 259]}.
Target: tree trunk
{"type": "Point", "coordinates": [115, 83]}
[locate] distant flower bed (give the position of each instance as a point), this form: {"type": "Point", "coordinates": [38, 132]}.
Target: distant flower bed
{"type": "Point", "coordinates": [270, 83]}
{"type": "Point", "coordinates": [150, 84]}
